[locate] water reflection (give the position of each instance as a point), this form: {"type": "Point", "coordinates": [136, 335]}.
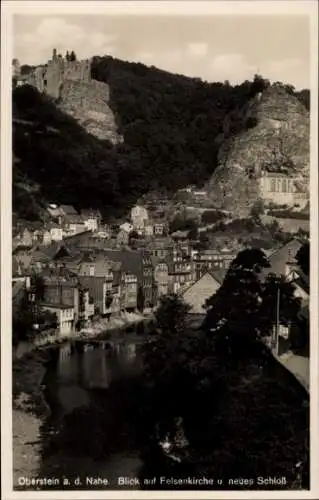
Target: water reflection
{"type": "Point", "coordinates": [77, 369]}
{"type": "Point", "coordinates": [90, 429]}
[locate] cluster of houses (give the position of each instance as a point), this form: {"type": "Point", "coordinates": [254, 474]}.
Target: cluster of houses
{"type": "Point", "coordinates": [87, 271]}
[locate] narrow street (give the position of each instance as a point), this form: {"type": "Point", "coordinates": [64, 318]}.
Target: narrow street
{"type": "Point", "coordinates": [299, 366]}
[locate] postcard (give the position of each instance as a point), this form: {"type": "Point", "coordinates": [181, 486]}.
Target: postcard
{"type": "Point", "coordinates": [159, 249]}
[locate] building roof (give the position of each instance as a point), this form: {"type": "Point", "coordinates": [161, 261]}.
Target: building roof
{"type": "Point", "coordinates": [90, 212]}
{"type": "Point", "coordinates": [73, 219]}
{"type": "Point", "coordinates": [52, 225]}
{"type": "Point", "coordinates": [68, 210]}
{"type": "Point", "coordinates": [218, 274]}
{"type": "Point", "coordinates": [300, 279]}
{"type": "Point", "coordinates": [132, 261]}
{"type": "Point", "coordinates": [102, 266]}
{"type": "Point", "coordinates": [160, 243]}
{"type": "Point", "coordinates": [61, 273]}
{"type": "Point", "coordinates": [55, 212]}
{"type": "Point", "coordinates": [197, 293]}
{"type": "Point", "coordinates": [75, 237]}
{"type": "Point", "coordinates": [280, 257]}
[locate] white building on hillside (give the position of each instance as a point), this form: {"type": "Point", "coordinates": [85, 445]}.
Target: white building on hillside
{"type": "Point", "coordinates": [139, 216]}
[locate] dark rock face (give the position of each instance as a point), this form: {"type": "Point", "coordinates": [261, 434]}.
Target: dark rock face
{"type": "Point", "coordinates": [278, 141]}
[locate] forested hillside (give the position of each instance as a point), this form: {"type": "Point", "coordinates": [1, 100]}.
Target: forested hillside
{"type": "Point", "coordinates": [172, 126]}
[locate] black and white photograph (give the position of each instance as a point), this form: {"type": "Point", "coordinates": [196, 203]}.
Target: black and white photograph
{"type": "Point", "coordinates": [159, 196]}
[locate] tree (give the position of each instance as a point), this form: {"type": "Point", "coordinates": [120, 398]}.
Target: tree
{"type": "Point", "coordinates": [211, 216]}
{"type": "Point", "coordinates": [22, 321]}
{"type": "Point", "coordinates": [72, 56]}
{"type": "Point", "coordinates": [180, 223]}
{"type": "Point", "coordinates": [47, 319]}
{"type": "Point", "coordinates": [171, 314]}
{"type": "Point", "coordinates": [233, 312]}
{"type": "Point", "coordinates": [257, 210]}
{"type": "Point", "coordinates": [134, 235]}
{"type": "Point", "coordinates": [193, 234]}
{"type": "Point", "coordinates": [303, 257]}
{"type": "Point", "coordinates": [165, 359]}
{"type": "Point", "coordinates": [108, 300]}
{"type": "Point", "coordinates": [38, 287]}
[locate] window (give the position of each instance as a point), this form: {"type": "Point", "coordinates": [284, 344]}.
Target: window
{"type": "Point", "coordinates": [273, 185]}
{"type": "Point", "coordinates": [284, 185]}
{"type": "Point", "coordinates": [91, 270]}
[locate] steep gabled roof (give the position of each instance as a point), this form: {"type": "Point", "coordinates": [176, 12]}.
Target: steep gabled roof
{"type": "Point", "coordinates": [281, 256]}
{"type": "Point", "coordinates": [132, 261]}
{"type": "Point", "coordinates": [68, 210]}
{"type": "Point", "coordinates": [218, 274]}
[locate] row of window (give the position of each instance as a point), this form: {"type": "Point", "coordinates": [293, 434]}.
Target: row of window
{"type": "Point", "coordinates": [214, 257]}
{"type": "Point", "coordinates": [182, 267]}
{"type": "Point", "coordinates": [281, 186]}
{"type": "Point", "coordinates": [67, 313]}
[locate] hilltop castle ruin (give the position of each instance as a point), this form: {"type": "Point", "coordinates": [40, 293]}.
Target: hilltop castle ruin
{"type": "Point", "coordinates": [50, 78]}
{"type": "Point", "coordinates": [70, 84]}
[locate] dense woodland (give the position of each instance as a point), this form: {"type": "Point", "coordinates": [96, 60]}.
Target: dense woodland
{"type": "Point", "coordinates": [172, 126]}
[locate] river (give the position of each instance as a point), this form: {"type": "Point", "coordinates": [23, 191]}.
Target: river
{"type": "Point", "coordinates": [90, 433]}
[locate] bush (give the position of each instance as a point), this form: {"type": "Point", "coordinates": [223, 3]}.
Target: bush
{"type": "Point", "coordinates": [212, 216]}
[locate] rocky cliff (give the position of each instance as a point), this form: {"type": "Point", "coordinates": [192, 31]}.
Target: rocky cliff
{"type": "Point", "coordinates": [87, 102]}
{"type": "Point", "coordinates": [277, 137]}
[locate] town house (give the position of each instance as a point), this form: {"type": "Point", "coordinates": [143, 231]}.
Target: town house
{"type": "Point", "coordinates": [160, 228]}
{"type": "Point", "coordinates": [73, 224]}
{"type": "Point", "coordinates": [92, 219]}
{"type": "Point", "coordinates": [61, 288]}
{"type": "Point", "coordinates": [160, 248]}
{"type": "Point", "coordinates": [65, 317]}
{"type": "Point", "coordinates": [161, 277]}
{"type": "Point", "coordinates": [96, 275]}
{"type": "Point", "coordinates": [122, 238]}
{"type": "Point", "coordinates": [139, 217]}
{"type": "Point", "coordinates": [128, 292]}
{"type": "Point", "coordinates": [25, 239]}
{"type": "Point", "coordinates": [283, 259]}
{"type": "Point", "coordinates": [180, 270]}
{"type": "Point", "coordinates": [56, 231]}
{"type": "Point", "coordinates": [206, 260]}
{"type": "Point", "coordinates": [200, 291]}
{"type": "Point", "coordinates": [46, 237]}
{"type": "Point", "coordinates": [139, 264]}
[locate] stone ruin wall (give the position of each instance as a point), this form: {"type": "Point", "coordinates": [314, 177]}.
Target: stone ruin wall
{"type": "Point", "coordinates": [51, 77]}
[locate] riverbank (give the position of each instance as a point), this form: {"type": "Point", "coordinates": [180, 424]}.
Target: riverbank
{"type": "Point", "coordinates": [100, 327]}
{"type": "Point", "coordinates": [29, 410]}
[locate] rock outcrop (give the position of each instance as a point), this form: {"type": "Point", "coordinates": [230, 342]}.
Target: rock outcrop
{"type": "Point", "coordinates": [279, 139]}
{"type": "Point", "coordinates": [87, 102]}
{"type": "Point", "coordinates": [71, 85]}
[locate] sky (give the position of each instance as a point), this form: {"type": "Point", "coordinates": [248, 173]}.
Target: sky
{"type": "Point", "coordinates": [210, 47]}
